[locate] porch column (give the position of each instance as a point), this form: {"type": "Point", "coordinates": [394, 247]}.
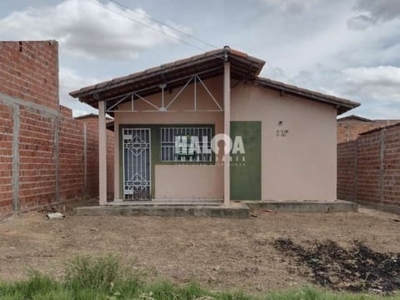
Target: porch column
{"type": "Point", "coordinates": [227, 125]}
{"type": "Point", "coordinates": [102, 154]}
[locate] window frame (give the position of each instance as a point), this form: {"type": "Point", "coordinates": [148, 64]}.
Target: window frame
{"type": "Point", "coordinates": [210, 127]}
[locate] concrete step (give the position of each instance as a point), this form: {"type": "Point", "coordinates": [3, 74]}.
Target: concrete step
{"type": "Point", "coordinates": [179, 202]}
{"type": "Point", "coordinates": [304, 206]}
{"type": "Point", "coordinates": [237, 211]}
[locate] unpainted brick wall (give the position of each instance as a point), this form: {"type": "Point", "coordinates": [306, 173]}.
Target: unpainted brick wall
{"type": "Point", "coordinates": [29, 71]}
{"type": "Point", "coordinates": [93, 160]}
{"type": "Point", "coordinates": [46, 156]}
{"type": "Point", "coordinates": [6, 162]}
{"type": "Point", "coordinates": [369, 168]}
{"type": "Point", "coordinates": [349, 130]}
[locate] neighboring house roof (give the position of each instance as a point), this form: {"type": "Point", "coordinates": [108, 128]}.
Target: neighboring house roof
{"type": "Point", "coordinates": [355, 118]}
{"type": "Point", "coordinates": [381, 128]}
{"type": "Point", "coordinates": [92, 116]}
{"type": "Point", "coordinates": [87, 116]}
{"type": "Point", "coordinates": [350, 127]}
{"type": "Point", "coordinates": [210, 64]}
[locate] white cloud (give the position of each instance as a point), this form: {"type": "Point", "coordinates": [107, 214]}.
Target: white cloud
{"type": "Point", "coordinates": [360, 22]}
{"type": "Point", "coordinates": [85, 28]}
{"type": "Point", "coordinates": [290, 5]}
{"type": "Point", "coordinates": [377, 83]}
{"type": "Point", "coordinates": [70, 81]}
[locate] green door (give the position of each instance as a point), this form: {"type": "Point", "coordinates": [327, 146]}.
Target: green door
{"type": "Point", "coordinates": [245, 166]}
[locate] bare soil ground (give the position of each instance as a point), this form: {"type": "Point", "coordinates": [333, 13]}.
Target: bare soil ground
{"type": "Point", "coordinates": [218, 253]}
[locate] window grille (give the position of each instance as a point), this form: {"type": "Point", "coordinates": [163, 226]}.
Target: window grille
{"type": "Point", "coordinates": [186, 144]}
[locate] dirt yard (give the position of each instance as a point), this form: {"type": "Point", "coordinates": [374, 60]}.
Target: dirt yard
{"type": "Point", "coordinates": [219, 253]}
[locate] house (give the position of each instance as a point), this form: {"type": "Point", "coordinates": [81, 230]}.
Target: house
{"type": "Point", "coordinates": [209, 127]}
{"type": "Point", "coordinates": [350, 127]}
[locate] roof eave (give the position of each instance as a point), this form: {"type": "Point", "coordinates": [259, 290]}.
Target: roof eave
{"type": "Point", "coordinates": [342, 105]}
{"type": "Point", "coordinates": [86, 93]}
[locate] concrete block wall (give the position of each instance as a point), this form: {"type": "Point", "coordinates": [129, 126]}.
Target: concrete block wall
{"type": "Point", "coordinates": [46, 156]}
{"type": "Point", "coordinates": [369, 169]}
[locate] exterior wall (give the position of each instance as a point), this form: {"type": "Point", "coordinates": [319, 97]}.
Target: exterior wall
{"type": "Point", "coordinates": [189, 182]}
{"type": "Point", "coordinates": [369, 169]}
{"type": "Point", "coordinates": [30, 71]}
{"type": "Point", "coordinates": [301, 165]}
{"type": "Point", "coordinates": [6, 158]}
{"type": "Point", "coordinates": [43, 159]}
{"type": "Point", "coordinates": [350, 129]}
{"type": "Point", "coordinates": [92, 159]}
{"type": "Point", "coordinates": [178, 181]}
{"type": "Point", "coordinates": [304, 160]}
{"type": "Point", "coordinates": [346, 170]}
{"type": "Point", "coordinates": [37, 167]}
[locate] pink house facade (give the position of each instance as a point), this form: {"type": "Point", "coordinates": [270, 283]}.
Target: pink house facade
{"type": "Point", "coordinates": [210, 128]}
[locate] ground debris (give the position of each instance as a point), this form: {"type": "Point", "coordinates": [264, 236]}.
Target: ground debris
{"type": "Point", "coordinates": [55, 216]}
{"type": "Point", "coordinates": [356, 269]}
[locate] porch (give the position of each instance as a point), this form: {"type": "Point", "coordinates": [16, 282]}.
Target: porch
{"type": "Point", "coordinates": [236, 210]}
{"type": "Point", "coordinates": [186, 101]}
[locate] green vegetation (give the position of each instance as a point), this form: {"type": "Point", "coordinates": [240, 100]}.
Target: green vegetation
{"type": "Point", "coordinates": [101, 278]}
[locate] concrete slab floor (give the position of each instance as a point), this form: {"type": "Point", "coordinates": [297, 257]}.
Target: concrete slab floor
{"type": "Point", "coordinates": [237, 209]}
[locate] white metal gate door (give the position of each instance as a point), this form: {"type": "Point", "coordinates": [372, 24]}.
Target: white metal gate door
{"type": "Point", "coordinates": [136, 162]}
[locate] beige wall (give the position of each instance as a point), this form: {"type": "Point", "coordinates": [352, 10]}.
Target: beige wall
{"type": "Point", "coordinates": [189, 182]}
{"type": "Point", "coordinates": [302, 165]}
{"type": "Point", "coordinates": [183, 181]}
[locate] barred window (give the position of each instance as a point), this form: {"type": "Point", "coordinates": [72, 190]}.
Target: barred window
{"type": "Point", "coordinates": [186, 144]}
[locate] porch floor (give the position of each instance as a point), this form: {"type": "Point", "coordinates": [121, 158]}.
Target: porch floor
{"type": "Point", "coordinates": [169, 202]}
{"type": "Point", "coordinates": [236, 210]}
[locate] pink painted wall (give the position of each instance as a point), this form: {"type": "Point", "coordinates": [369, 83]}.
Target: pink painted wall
{"type": "Point", "coordinates": [302, 165]}
{"type": "Point", "coordinates": [189, 182]}
{"type": "Point", "coordinates": [172, 181]}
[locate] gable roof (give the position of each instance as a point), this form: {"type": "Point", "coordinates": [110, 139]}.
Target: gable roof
{"type": "Point", "coordinates": [177, 73]}
{"type": "Point", "coordinates": [208, 65]}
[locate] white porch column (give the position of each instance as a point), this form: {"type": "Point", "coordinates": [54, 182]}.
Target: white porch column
{"type": "Point", "coordinates": [227, 125]}
{"type": "Point", "coordinates": [102, 154]}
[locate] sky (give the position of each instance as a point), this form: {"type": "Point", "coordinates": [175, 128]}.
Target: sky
{"type": "Point", "coordinates": [346, 48]}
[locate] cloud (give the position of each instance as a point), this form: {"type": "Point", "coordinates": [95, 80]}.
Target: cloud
{"type": "Point", "coordinates": [376, 88]}
{"type": "Point", "coordinates": [70, 81]}
{"type": "Point", "coordinates": [376, 83]}
{"type": "Point", "coordinates": [293, 6]}
{"type": "Point", "coordinates": [360, 22]}
{"type": "Point", "coordinates": [87, 29]}
{"type": "Point", "coordinates": [373, 12]}
{"type": "Point", "coordinates": [382, 10]}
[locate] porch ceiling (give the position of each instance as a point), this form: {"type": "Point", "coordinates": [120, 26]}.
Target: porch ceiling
{"type": "Point", "coordinates": [175, 74]}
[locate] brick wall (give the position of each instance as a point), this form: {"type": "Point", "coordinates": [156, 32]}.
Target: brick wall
{"type": "Point", "coordinates": [37, 173]}
{"type": "Point", "coordinates": [46, 156]}
{"type": "Point", "coordinates": [6, 163]}
{"type": "Point", "coordinates": [29, 71]}
{"type": "Point", "coordinates": [350, 129]}
{"type": "Point", "coordinates": [346, 167]}
{"type": "Point", "coordinates": [369, 169]}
